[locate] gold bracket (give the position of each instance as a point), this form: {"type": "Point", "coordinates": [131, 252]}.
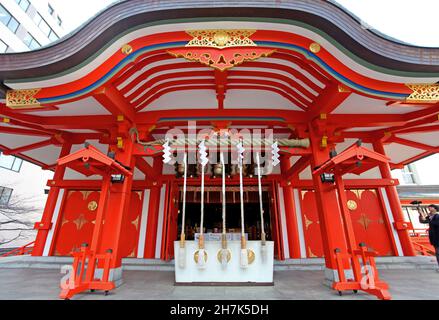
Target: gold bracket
{"type": "Point", "coordinates": [22, 99]}
{"type": "Point", "coordinates": [423, 93]}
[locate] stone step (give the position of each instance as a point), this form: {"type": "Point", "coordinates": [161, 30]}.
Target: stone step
{"type": "Point", "coordinates": [29, 262]}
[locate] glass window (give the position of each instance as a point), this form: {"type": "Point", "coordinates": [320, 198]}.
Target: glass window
{"type": "Point", "coordinates": [31, 42]}
{"type": "Point", "coordinates": [59, 21]}
{"type": "Point", "coordinates": [3, 47]}
{"type": "Point", "coordinates": [5, 195]}
{"type": "Point", "coordinates": [24, 4]}
{"type": "Point", "coordinates": [45, 28]}
{"type": "Point", "coordinates": [51, 11]}
{"type": "Point", "coordinates": [53, 36]}
{"type": "Point", "coordinates": [8, 20]}
{"type": "Point", "coordinates": [10, 162]}
{"type": "Point", "coordinates": [37, 18]}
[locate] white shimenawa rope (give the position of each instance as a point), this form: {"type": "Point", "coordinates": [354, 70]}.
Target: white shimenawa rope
{"type": "Point", "coordinates": [263, 239]}
{"type": "Point", "coordinates": [182, 252]}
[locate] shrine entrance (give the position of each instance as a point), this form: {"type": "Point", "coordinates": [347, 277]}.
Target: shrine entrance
{"type": "Point", "coordinates": [213, 214]}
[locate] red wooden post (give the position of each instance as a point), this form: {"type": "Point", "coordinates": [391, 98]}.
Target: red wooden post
{"type": "Point", "coordinates": [331, 224]}
{"type": "Point", "coordinates": [153, 214]}
{"type": "Point", "coordinates": [395, 205]}
{"type": "Point", "coordinates": [46, 220]}
{"type": "Point", "coordinates": [290, 214]}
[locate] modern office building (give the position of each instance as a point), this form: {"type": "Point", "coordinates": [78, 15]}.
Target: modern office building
{"type": "Point", "coordinates": [28, 25]}
{"type": "Point", "coordinates": [25, 25]}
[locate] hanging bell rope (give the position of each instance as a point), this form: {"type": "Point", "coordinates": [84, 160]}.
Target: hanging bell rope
{"type": "Point", "coordinates": [224, 251]}
{"type": "Point", "coordinates": [201, 251]}
{"type": "Point", "coordinates": [244, 252]}
{"type": "Point", "coordinates": [263, 236]}
{"type": "Point", "coordinates": [182, 250]}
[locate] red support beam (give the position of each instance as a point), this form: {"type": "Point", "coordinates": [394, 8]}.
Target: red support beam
{"type": "Point", "coordinates": [29, 147]}
{"type": "Point", "coordinates": [290, 215]}
{"type": "Point", "coordinates": [296, 168]}
{"type": "Point", "coordinates": [332, 97]}
{"type": "Point", "coordinates": [46, 221]}
{"type": "Point", "coordinates": [115, 102]}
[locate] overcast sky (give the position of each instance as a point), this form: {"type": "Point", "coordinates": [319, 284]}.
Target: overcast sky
{"type": "Point", "coordinates": [412, 21]}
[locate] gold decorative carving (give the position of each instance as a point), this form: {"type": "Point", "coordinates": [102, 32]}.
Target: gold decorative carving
{"type": "Point", "coordinates": [92, 205]}
{"type": "Point", "coordinates": [307, 222]}
{"type": "Point", "coordinates": [423, 93]}
{"type": "Point", "coordinates": [314, 47]}
{"type": "Point", "coordinates": [197, 253]}
{"type": "Point", "coordinates": [221, 39]}
{"type": "Point", "coordinates": [80, 222]}
{"type": "Point", "coordinates": [127, 49]}
{"type": "Point", "coordinates": [311, 254]}
{"type": "Point", "coordinates": [364, 221]}
{"type": "Point", "coordinates": [229, 255]}
{"type": "Point", "coordinates": [251, 256]}
{"type": "Point", "coordinates": [222, 60]}
{"type": "Point", "coordinates": [22, 99]}
{"type": "Point", "coordinates": [352, 205]}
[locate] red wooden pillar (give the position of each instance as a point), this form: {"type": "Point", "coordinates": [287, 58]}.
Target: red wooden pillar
{"type": "Point", "coordinates": [45, 225]}
{"type": "Point", "coordinates": [117, 206]}
{"type": "Point", "coordinates": [290, 214]}
{"type": "Point", "coordinates": [395, 205]}
{"type": "Point", "coordinates": [153, 213]}
{"type": "Point", "coordinates": [331, 223]}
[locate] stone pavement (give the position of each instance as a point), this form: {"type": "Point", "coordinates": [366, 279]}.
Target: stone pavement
{"type": "Point", "coordinates": [43, 284]}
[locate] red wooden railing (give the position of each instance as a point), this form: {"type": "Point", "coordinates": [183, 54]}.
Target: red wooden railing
{"type": "Point", "coordinates": [26, 249]}
{"type": "Point", "coordinates": [364, 273]}
{"type": "Point", "coordinates": [421, 242]}
{"type": "Point", "coordinates": [82, 276]}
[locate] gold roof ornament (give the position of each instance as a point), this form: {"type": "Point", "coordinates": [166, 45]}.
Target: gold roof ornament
{"type": "Point", "coordinates": [423, 93]}
{"type": "Point", "coordinates": [315, 47]}
{"type": "Point", "coordinates": [221, 39]}
{"type": "Point", "coordinates": [22, 99]}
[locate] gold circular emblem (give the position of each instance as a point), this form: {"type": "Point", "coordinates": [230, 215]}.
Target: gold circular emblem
{"type": "Point", "coordinates": [314, 47]}
{"type": "Point", "coordinates": [352, 205]}
{"type": "Point", "coordinates": [221, 38]}
{"type": "Point", "coordinates": [196, 254]}
{"type": "Point", "coordinates": [92, 205]}
{"type": "Point", "coordinates": [251, 256]}
{"type": "Point", "coordinates": [229, 255]}
{"type": "Point", "coordinates": [127, 49]}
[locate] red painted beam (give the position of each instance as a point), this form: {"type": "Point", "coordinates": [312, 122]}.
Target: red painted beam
{"type": "Point", "coordinates": [297, 168]}
{"type": "Point", "coordinates": [414, 144]}
{"type": "Point", "coordinates": [115, 102]}
{"type": "Point", "coordinates": [332, 97]}
{"type": "Point", "coordinates": [29, 147]}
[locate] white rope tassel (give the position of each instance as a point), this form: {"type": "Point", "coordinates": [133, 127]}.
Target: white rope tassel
{"type": "Point", "coordinates": [263, 240]}
{"type": "Point", "coordinates": [201, 263]}
{"type": "Point", "coordinates": [244, 253]}
{"type": "Point", "coordinates": [224, 251]}
{"type": "Point", "coordinates": [182, 249]}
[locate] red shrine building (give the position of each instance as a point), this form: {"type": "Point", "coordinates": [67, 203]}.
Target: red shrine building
{"type": "Point", "coordinates": [345, 105]}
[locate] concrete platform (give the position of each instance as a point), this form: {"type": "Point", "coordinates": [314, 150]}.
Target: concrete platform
{"type": "Point", "coordinates": [409, 278]}
{"type": "Point", "coordinates": [40, 284]}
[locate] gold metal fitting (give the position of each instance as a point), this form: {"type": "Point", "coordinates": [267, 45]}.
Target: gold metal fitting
{"type": "Point", "coordinates": [315, 47]}
{"type": "Point", "coordinates": [127, 49]}
{"type": "Point", "coordinates": [120, 142]}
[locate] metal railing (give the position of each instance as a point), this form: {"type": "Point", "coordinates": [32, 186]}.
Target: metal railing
{"type": "Point", "coordinates": [26, 249]}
